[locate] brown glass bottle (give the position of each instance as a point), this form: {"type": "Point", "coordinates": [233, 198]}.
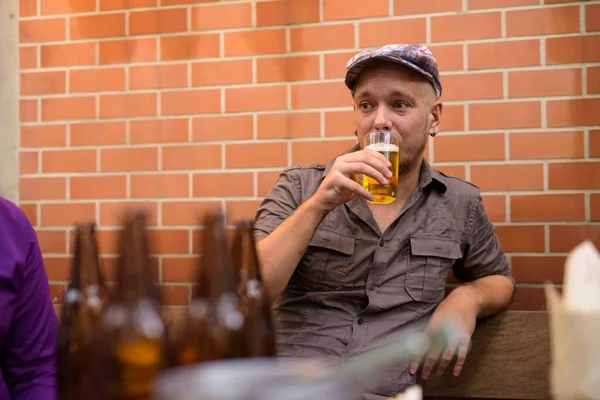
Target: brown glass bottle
{"type": "Point", "coordinates": [260, 329]}
{"type": "Point", "coordinates": [84, 301]}
{"type": "Point", "coordinates": [134, 332]}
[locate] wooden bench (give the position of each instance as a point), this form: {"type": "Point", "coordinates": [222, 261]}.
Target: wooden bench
{"type": "Point", "coordinates": [509, 359]}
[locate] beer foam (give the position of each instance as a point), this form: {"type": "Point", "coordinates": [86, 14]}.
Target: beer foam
{"type": "Point", "coordinates": [383, 147]}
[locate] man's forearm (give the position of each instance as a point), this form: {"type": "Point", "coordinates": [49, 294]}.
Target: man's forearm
{"type": "Point", "coordinates": [281, 251]}
{"type": "Point", "coordinates": [489, 294]}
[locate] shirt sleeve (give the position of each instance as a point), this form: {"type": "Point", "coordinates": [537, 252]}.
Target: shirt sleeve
{"type": "Point", "coordinates": [483, 255]}
{"type": "Point", "coordinates": [281, 202]}
{"type": "Point", "coordinates": [29, 355]}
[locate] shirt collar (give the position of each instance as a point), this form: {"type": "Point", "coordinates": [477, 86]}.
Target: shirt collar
{"type": "Point", "coordinates": [427, 177]}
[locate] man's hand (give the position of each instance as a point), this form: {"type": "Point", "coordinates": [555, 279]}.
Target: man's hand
{"type": "Point", "coordinates": [340, 185]}
{"type": "Point", "coordinates": [461, 307]}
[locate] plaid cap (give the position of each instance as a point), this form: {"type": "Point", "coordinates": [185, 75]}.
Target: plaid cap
{"type": "Point", "coordinates": [414, 56]}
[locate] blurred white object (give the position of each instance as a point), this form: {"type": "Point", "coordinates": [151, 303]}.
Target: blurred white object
{"type": "Point", "coordinates": [414, 392]}
{"type": "Point", "coordinates": [574, 326]}
{"type": "Point", "coordinates": [581, 288]}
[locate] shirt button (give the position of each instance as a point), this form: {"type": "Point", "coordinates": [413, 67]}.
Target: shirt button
{"type": "Point", "coordinates": [360, 321]}
{"type": "Point", "coordinates": [381, 243]}
{"type": "Point", "coordinates": [372, 287]}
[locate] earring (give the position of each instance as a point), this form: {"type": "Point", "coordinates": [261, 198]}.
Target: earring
{"type": "Point", "coordinates": [433, 134]}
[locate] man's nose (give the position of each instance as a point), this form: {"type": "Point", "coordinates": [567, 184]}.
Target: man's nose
{"type": "Point", "coordinates": [382, 119]}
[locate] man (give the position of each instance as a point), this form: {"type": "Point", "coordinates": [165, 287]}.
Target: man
{"type": "Point", "coordinates": [348, 273]}
{"type": "Point", "coordinates": [28, 324]}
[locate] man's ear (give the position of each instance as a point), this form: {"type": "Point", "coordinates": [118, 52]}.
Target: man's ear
{"type": "Point", "coordinates": [435, 116]}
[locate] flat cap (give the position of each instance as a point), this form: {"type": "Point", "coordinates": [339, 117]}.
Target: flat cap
{"type": "Point", "coordinates": [414, 56]}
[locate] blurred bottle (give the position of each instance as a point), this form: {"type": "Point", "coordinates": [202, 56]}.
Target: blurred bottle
{"type": "Point", "coordinates": [260, 329]}
{"type": "Point", "coordinates": [133, 331]}
{"type": "Point", "coordinates": [84, 301]}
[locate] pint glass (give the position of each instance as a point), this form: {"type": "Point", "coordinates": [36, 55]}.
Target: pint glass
{"type": "Point", "coordinates": [388, 144]}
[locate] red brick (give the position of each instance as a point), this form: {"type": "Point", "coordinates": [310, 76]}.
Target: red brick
{"type": "Point", "coordinates": [226, 127]}
{"type": "Point", "coordinates": [43, 136]}
{"type": "Point", "coordinates": [68, 54]}
{"type": "Point", "coordinates": [577, 112]}
{"type": "Point", "coordinates": [352, 9]}
{"type": "Point", "coordinates": [179, 269]}
{"type": "Point", "coordinates": [448, 56]}
{"type": "Point", "coordinates": [452, 27]}
{"type": "Point", "coordinates": [128, 105]}
{"type": "Point", "coordinates": [225, 184]}
{"type": "Point", "coordinates": [159, 185]}
{"type": "Point", "coordinates": [339, 123]}
{"type": "Point", "coordinates": [594, 141]}
{"type": "Point", "coordinates": [538, 268]}
{"type": "Point", "coordinates": [52, 241]}
{"type": "Point", "coordinates": [213, 73]}
{"type": "Point", "coordinates": [287, 68]}
{"type": "Point", "coordinates": [111, 213]}
{"type": "Point", "coordinates": [572, 49]}
{"type": "Point", "coordinates": [239, 209]}
{"type": "Point", "coordinates": [222, 16]}
{"type": "Point", "coordinates": [515, 53]}
{"type": "Point", "coordinates": [453, 118]}
{"type": "Point", "coordinates": [548, 20]}
{"type": "Point", "coordinates": [42, 188]}
{"type": "Point", "coordinates": [525, 114]}
{"type": "Point", "coordinates": [528, 299]}
{"type": "Point", "coordinates": [30, 211]}
{"type": "Point", "coordinates": [595, 207]}
{"type": "Point", "coordinates": [62, 108]}
{"type": "Point", "coordinates": [127, 50]}
{"type": "Point", "coordinates": [335, 64]}
{"type": "Point", "coordinates": [480, 4]}
{"type": "Point", "coordinates": [458, 171]}
{"type": "Point", "coordinates": [125, 4]}
{"type": "Point", "coordinates": [378, 33]}
{"type": "Point", "coordinates": [184, 2]}
{"type": "Point", "coordinates": [28, 110]}
{"type": "Point", "coordinates": [28, 56]}
{"type": "Point", "coordinates": [170, 241]}
{"type": "Point", "coordinates": [174, 295]}
{"type": "Point", "coordinates": [319, 151]}
{"type": "Point", "coordinates": [286, 12]}
{"type": "Point", "coordinates": [157, 21]}
{"type": "Point", "coordinates": [504, 177]}
{"type": "Point", "coordinates": [574, 175]}
{"type": "Point", "coordinates": [564, 238]}
{"type": "Point", "coordinates": [260, 98]}
{"type": "Point", "coordinates": [56, 161]}
{"type": "Point", "coordinates": [190, 102]}
{"type": "Point", "coordinates": [191, 157]}
{"type": "Point", "coordinates": [158, 130]}
{"type": "Point", "coordinates": [547, 207]}
{"type": "Point", "coordinates": [96, 26]}
{"type": "Point", "coordinates": [593, 80]}
{"type": "Point", "coordinates": [592, 17]}
{"type": "Point", "coordinates": [469, 147]}
{"type": "Point", "coordinates": [129, 159]}
{"type": "Point", "coordinates": [27, 8]}
{"type": "Point", "coordinates": [254, 155]}
{"type": "Point", "coordinates": [42, 30]}
{"type": "Point", "coordinates": [96, 79]}
{"type": "Point", "coordinates": [495, 207]}
{"type": "Point", "coordinates": [267, 41]}
{"type": "Point", "coordinates": [190, 46]}
{"type": "Point", "coordinates": [322, 37]}
{"type": "Point", "coordinates": [521, 238]}
{"type": "Point", "coordinates": [33, 83]}
{"type": "Point", "coordinates": [265, 181]}
{"type": "Point", "coordinates": [98, 187]}
{"type": "Point", "coordinates": [98, 133]}
{"type": "Point", "coordinates": [67, 214]}
{"type": "Point", "coordinates": [288, 125]}
{"type": "Point", "coordinates": [58, 268]}
{"type": "Point", "coordinates": [544, 145]}
{"type": "Point", "coordinates": [550, 82]}
{"type": "Point", "coordinates": [318, 95]}
{"type": "Point", "coordinates": [49, 7]}
{"type": "Point", "coordinates": [403, 7]}
{"type": "Point", "coordinates": [186, 212]}
{"type": "Point", "coordinates": [473, 86]}
{"type": "Point", "coordinates": [158, 76]}
{"type": "Point", "coordinates": [28, 162]}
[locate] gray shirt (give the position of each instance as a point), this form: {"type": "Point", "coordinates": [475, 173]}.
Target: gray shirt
{"type": "Point", "coordinates": [355, 286]}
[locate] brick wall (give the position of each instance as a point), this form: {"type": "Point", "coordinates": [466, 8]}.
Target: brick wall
{"type": "Point", "coordinates": [196, 103]}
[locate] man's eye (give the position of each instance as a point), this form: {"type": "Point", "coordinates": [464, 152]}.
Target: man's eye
{"type": "Point", "coordinates": [400, 104]}
{"type": "Point", "coordinates": [365, 106]}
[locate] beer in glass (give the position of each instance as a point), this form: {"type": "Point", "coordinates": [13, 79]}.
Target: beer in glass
{"type": "Point", "coordinates": [388, 144]}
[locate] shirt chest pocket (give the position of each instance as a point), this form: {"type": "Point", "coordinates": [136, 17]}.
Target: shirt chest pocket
{"type": "Point", "coordinates": [326, 261]}
{"type": "Point", "coordinates": [428, 262]}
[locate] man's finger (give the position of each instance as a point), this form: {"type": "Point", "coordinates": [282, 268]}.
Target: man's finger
{"type": "Point", "coordinates": [430, 361]}
{"type": "Point", "coordinates": [463, 349]}
{"type": "Point", "coordinates": [414, 366]}
{"type": "Point", "coordinates": [444, 361]}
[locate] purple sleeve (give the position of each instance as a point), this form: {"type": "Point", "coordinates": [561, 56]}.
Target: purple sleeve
{"type": "Point", "coordinates": [28, 358]}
